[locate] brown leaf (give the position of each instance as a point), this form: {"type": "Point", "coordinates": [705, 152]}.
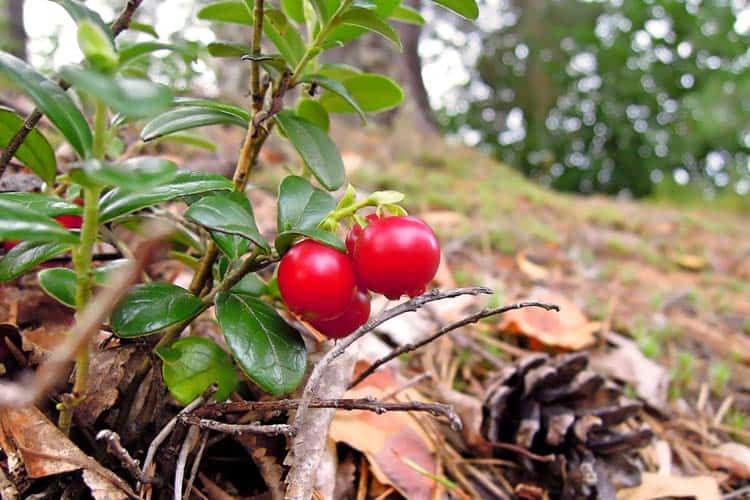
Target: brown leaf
{"type": "Point", "coordinates": [732, 457]}
{"type": "Point", "coordinates": [532, 270]}
{"type": "Point", "coordinates": [568, 329]}
{"type": "Point", "coordinates": [655, 486]}
{"type": "Point", "coordinates": [386, 439]}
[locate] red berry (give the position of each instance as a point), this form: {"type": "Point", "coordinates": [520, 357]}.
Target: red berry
{"type": "Point", "coordinates": [70, 221]}
{"type": "Point", "coordinates": [396, 256]}
{"type": "Point", "coordinates": [356, 232]}
{"type": "Point", "coordinates": [8, 245]}
{"type": "Point", "coordinates": [354, 317]}
{"type": "Point", "coordinates": [316, 281]}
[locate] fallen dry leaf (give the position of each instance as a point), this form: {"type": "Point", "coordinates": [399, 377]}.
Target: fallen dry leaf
{"type": "Point", "coordinates": [568, 329]}
{"type": "Point", "coordinates": [388, 438]}
{"type": "Point", "coordinates": [626, 362]}
{"type": "Point", "coordinates": [655, 486]}
{"type": "Point", "coordinates": [732, 457]}
{"type": "Point", "coordinates": [532, 270]}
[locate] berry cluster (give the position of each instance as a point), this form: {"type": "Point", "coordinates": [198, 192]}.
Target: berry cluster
{"type": "Point", "coordinates": [393, 256]}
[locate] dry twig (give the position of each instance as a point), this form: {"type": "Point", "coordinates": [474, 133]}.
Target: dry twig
{"type": "Point", "coordinates": [238, 429]}
{"type": "Point", "coordinates": [115, 447]}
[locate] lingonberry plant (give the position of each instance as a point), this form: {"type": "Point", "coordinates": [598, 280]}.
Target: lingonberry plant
{"type": "Point", "coordinates": [291, 93]}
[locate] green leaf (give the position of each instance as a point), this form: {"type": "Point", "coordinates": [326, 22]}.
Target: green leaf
{"type": "Point", "coordinates": [371, 91]}
{"type": "Point", "coordinates": [189, 139]}
{"type": "Point", "coordinates": [270, 352]}
{"type": "Point", "coordinates": [135, 173]}
{"type": "Point", "coordinates": [43, 204]}
{"type": "Point", "coordinates": [185, 118]}
{"type": "Point", "coordinates": [337, 88]}
{"type": "Point", "coordinates": [52, 100]}
{"type": "Point", "coordinates": [136, 50]}
{"type": "Point", "coordinates": [312, 111]}
{"type": "Point", "coordinates": [231, 245]}
{"type": "Point", "coordinates": [35, 152]}
{"type": "Point", "coordinates": [226, 12]}
{"type": "Point", "coordinates": [284, 240]}
{"type": "Point", "coordinates": [284, 36]}
{"type": "Point", "coordinates": [119, 201]}
{"type": "Point", "coordinates": [143, 28]}
{"type": "Point", "coordinates": [97, 46]}
{"type": "Point", "coordinates": [338, 72]}
{"type": "Point", "coordinates": [60, 282]}
{"type": "Point", "coordinates": [27, 255]}
{"type": "Point", "coordinates": [228, 49]}
{"type": "Point", "coordinates": [192, 364]}
{"type": "Point", "coordinates": [406, 14]}
{"type": "Point", "coordinates": [302, 206]}
{"type": "Point", "coordinates": [209, 103]}
{"type": "Point", "coordinates": [20, 223]}
{"type": "Point", "coordinates": [129, 96]}
{"type": "Point", "coordinates": [464, 8]}
{"type": "Point", "coordinates": [81, 13]}
{"type": "Point", "coordinates": [250, 284]}
{"type": "Point", "coordinates": [151, 307]}
{"type": "Point", "coordinates": [315, 147]}
{"type": "Point", "coordinates": [228, 213]}
{"type": "Point", "coordinates": [369, 20]}
{"type": "Point", "coordinates": [294, 10]}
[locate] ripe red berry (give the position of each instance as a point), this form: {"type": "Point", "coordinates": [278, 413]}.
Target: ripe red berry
{"type": "Point", "coordinates": [354, 317]}
{"type": "Point", "coordinates": [356, 232]}
{"type": "Point", "coordinates": [8, 245]}
{"type": "Point", "coordinates": [70, 221]}
{"type": "Point", "coordinates": [316, 281]}
{"type": "Point", "coordinates": [396, 256]}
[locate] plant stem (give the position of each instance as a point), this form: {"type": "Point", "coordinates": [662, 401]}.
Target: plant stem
{"type": "Point", "coordinates": [255, 91]}
{"type": "Point", "coordinates": [100, 130]}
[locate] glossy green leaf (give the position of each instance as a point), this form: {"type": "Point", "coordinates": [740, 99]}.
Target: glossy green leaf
{"type": "Point", "coordinates": [20, 223]}
{"type": "Point", "coordinates": [369, 20]}
{"type": "Point", "coordinates": [284, 240]}
{"type": "Point", "coordinates": [231, 245]}
{"type": "Point", "coordinates": [189, 139]}
{"type": "Point", "coordinates": [337, 88]}
{"type": "Point", "coordinates": [135, 173]}
{"type": "Point", "coordinates": [406, 14]}
{"type": "Point", "coordinates": [210, 103]}
{"type": "Point", "coordinates": [250, 284]}
{"type": "Point", "coordinates": [28, 255]}
{"type": "Point", "coordinates": [35, 151]}
{"type": "Point", "coordinates": [312, 111]}
{"type": "Point", "coordinates": [81, 13]}
{"type": "Point", "coordinates": [294, 9]}
{"type": "Point", "coordinates": [97, 46]}
{"type": "Point", "coordinates": [338, 72]}
{"type": "Point", "coordinates": [60, 282]}
{"type": "Point", "coordinates": [52, 100]}
{"type": "Point", "coordinates": [372, 92]}
{"type": "Point", "coordinates": [315, 147]}
{"type": "Point", "coordinates": [143, 28]}
{"type": "Point", "coordinates": [226, 12]}
{"type": "Point", "coordinates": [136, 50]}
{"type": "Point", "coordinates": [228, 49]}
{"type": "Point", "coordinates": [192, 364]}
{"type": "Point", "coordinates": [284, 36]}
{"type": "Point", "coordinates": [302, 206]}
{"type": "Point", "coordinates": [151, 307]}
{"type": "Point", "coordinates": [464, 8]}
{"type": "Point", "coordinates": [128, 96]}
{"type": "Point", "coordinates": [119, 201]}
{"type": "Point", "coordinates": [270, 352]}
{"type": "Point", "coordinates": [228, 213]}
{"type": "Point", "coordinates": [43, 204]}
{"type": "Point", "coordinates": [185, 118]}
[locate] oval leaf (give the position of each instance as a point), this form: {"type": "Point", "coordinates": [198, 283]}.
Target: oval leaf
{"type": "Point", "coordinates": [192, 364]}
{"type": "Point", "coordinates": [406, 14]}
{"type": "Point", "coordinates": [372, 92]}
{"type": "Point", "coordinates": [464, 8]}
{"type": "Point", "coordinates": [151, 307]}
{"type": "Point", "coordinates": [302, 206]}
{"type": "Point", "coordinates": [35, 152]}
{"type": "Point", "coordinates": [60, 282]}
{"type": "Point", "coordinates": [119, 201]}
{"type": "Point", "coordinates": [136, 50]}
{"type": "Point", "coordinates": [28, 255]}
{"type": "Point", "coordinates": [97, 46]}
{"type": "Point", "coordinates": [128, 96]}
{"type": "Point", "coordinates": [315, 147]}
{"type": "Point", "coordinates": [369, 20]}
{"type": "Point", "coordinates": [135, 173]}
{"type": "Point", "coordinates": [80, 13]}
{"type": "Point", "coordinates": [176, 120]}
{"type": "Point", "coordinates": [337, 88]}
{"type": "Point", "coordinates": [226, 12]}
{"type": "Point", "coordinates": [209, 103]}
{"type": "Point", "coordinates": [229, 213]}
{"type": "Point", "coordinates": [42, 203]}
{"type": "Point", "coordinates": [270, 352]}
{"type": "Point", "coordinates": [312, 111]}
{"type": "Point", "coordinates": [231, 245]}
{"type": "Point", "coordinates": [285, 239]}
{"type": "Point", "coordinates": [52, 100]}
{"type": "Point", "coordinates": [228, 49]}
{"type": "Point", "coordinates": [284, 36]}
{"type": "Point", "coordinates": [20, 223]}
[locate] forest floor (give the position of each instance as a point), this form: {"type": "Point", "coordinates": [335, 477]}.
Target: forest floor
{"type": "Point", "coordinates": [655, 298]}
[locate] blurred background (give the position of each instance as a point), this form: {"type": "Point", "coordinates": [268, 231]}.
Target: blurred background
{"type": "Point", "coordinates": [644, 98]}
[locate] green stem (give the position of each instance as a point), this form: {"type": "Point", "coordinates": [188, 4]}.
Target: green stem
{"type": "Point", "coordinates": [100, 130]}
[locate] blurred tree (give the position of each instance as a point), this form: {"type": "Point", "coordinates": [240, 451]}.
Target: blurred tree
{"type": "Point", "coordinates": [615, 96]}
{"type": "Point", "coordinates": [12, 32]}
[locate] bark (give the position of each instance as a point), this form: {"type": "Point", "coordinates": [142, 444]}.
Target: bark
{"type": "Point", "coordinates": [16, 31]}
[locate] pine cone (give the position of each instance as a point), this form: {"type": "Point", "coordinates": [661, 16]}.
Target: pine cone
{"type": "Point", "coordinates": [571, 420]}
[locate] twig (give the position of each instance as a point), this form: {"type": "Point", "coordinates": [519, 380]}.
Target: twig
{"type": "Point", "coordinates": [484, 313]}
{"type": "Point", "coordinates": [49, 374]}
{"type": "Point", "coordinates": [118, 26]}
{"type": "Point", "coordinates": [255, 92]}
{"type": "Point", "coordinates": [115, 447]}
{"type": "Point", "coordinates": [523, 451]}
{"type": "Point", "coordinates": [238, 429]}
{"type": "Point", "coordinates": [196, 466]}
{"type": "Point", "coordinates": [367, 404]}
{"type": "Point", "coordinates": [187, 445]}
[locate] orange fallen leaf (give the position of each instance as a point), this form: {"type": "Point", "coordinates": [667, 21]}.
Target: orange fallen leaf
{"type": "Point", "coordinates": [568, 329]}
{"type": "Point", "coordinates": [660, 486]}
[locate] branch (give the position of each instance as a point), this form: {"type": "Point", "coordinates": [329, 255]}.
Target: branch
{"type": "Point", "coordinates": [484, 313]}
{"type": "Point", "coordinates": [238, 429]}
{"type": "Point", "coordinates": [255, 92]}
{"type": "Point", "coordinates": [115, 447]}
{"type": "Point", "coordinates": [118, 26]}
{"type": "Point", "coordinates": [367, 404]}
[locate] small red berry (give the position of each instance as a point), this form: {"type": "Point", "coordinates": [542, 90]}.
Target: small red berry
{"type": "Point", "coordinates": [316, 281]}
{"type": "Point", "coordinates": [8, 245]}
{"type": "Point", "coordinates": [70, 221]}
{"type": "Point", "coordinates": [354, 317]}
{"type": "Point", "coordinates": [356, 231]}
{"type": "Point", "coordinates": [396, 256]}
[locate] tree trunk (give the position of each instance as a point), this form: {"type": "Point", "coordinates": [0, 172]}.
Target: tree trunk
{"type": "Point", "coordinates": [17, 33]}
